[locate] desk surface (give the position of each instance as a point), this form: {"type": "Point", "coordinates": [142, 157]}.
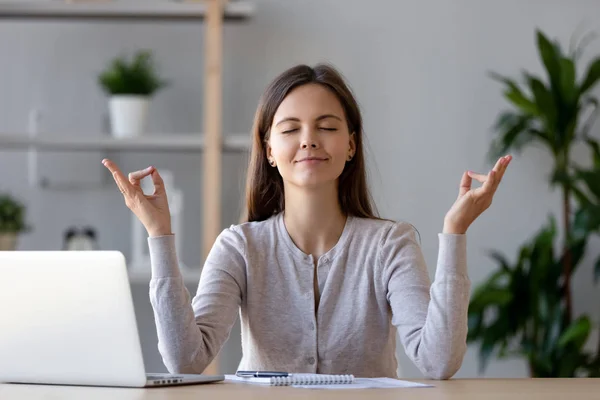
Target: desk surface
{"type": "Point", "coordinates": [460, 389]}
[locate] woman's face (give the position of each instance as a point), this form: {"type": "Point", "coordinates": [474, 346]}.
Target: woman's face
{"type": "Point", "coordinates": [309, 141]}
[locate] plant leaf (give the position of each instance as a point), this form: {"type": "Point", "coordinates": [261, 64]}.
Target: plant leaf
{"type": "Point", "coordinates": [501, 259]}
{"type": "Point", "coordinates": [595, 151]}
{"type": "Point", "coordinates": [576, 333]}
{"type": "Point", "coordinates": [591, 76]}
{"type": "Point", "coordinates": [587, 219]}
{"type": "Point", "coordinates": [515, 95]}
{"type": "Point", "coordinates": [511, 138]}
{"type": "Point", "coordinates": [544, 101]}
{"type": "Point", "coordinates": [488, 296]}
{"type": "Point", "coordinates": [550, 59]}
{"type": "Point", "coordinates": [568, 85]}
{"type": "Point", "coordinates": [591, 178]}
{"type": "Point", "coordinates": [577, 249]}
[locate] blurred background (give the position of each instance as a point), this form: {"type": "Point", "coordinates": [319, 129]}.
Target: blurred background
{"type": "Point", "coordinates": [421, 73]}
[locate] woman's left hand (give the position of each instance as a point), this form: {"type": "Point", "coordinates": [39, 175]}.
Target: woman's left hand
{"type": "Point", "coordinates": [472, 202]}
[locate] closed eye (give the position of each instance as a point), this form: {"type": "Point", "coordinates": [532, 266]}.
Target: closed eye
{"type": "Point", "coordinates": [329, 129]}
{"type": "Point", "coordinates": [289, 130]}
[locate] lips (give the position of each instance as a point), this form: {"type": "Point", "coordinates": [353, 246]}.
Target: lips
{"type": "Point", "coordinates": [313, 159]}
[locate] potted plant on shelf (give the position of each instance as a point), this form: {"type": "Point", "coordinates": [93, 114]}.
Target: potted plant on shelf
{"type": "Point", "coordinates": [130, 85]}
{"type": "Point", "coordinates": [525, 307]}
{"type": "Point", "coordinates": [12, 221]}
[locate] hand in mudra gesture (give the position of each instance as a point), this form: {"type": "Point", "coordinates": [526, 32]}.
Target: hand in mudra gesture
{"type": "Point", "coordinates": [152, 210]}
{"type": "Point", "coordinates": [472, 202]}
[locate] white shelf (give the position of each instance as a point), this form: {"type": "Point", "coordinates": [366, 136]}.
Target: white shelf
{"type": "Point", "coordinates": [115, 9]}
{"type": "Point", "coordinates": [143, 277]}
{"type": "Point", "coordinates": [193, 142]}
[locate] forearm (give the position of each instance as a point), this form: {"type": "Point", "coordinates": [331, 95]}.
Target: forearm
{"type": "Point", "coordinates": [180, 341]}
{"type": "Point", "coordinates": [443, 338]}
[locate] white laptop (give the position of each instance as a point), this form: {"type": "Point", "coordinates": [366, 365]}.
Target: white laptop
{"type": "Point", "coordinates": [67, 317]}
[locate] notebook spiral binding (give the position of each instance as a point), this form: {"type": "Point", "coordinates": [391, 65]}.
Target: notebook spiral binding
{"type": "Point", "coordinates": [308, 379]}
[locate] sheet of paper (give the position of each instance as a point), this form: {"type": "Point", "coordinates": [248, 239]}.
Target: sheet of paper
{"type": "Point", "coordinates": [369, 383]}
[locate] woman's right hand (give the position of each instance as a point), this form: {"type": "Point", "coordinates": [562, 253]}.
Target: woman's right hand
{"type": "Point", "coordinates": [152, 210]}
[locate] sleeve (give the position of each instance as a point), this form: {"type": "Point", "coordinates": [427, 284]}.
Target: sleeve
{"type": "Point", "coordinates": [431, 318]}
{"type": "Point", "coordinates": [191, 334]}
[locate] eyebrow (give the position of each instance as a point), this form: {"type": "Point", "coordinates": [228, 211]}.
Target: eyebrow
{"type": "Point", "coordinates": [324, 116]}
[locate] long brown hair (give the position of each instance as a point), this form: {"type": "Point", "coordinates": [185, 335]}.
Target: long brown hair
{"type": "Point", "coordinates": [264, 185]}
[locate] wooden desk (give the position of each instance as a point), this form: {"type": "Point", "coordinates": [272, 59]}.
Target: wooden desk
{"type": "Point", "coordinates": [459, 389]}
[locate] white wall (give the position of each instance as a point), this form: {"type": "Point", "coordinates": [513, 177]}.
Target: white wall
{"type": "Point", "coordinates": [418, 69]}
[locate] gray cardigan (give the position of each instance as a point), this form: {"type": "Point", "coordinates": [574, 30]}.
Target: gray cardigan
{"type": "Point", "coordinates": [373, 282]}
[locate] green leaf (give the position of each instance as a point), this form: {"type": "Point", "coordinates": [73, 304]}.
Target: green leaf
{"type": "Point", "coordinates": [137, 77]}
{"type": "Point", "coordinates": [549, 56]}
{"type": "Point", "coordinates": [576, 333]}
{"type": "Point", "coordinates": [544, 101]}
{"type": "Point", "coordinates": [577, 249]}
{"type": "Point", "coordinates": [524, 104]}
{"type": "Point", "coordinates": [568, 86]}
{"type": "Point", "coordinates": [500, 259]}
{"type": "Point", "coordinates": [591, 178]}
{"type": "Point", "coordinates": [489, 296]}
{"type": "Point", "coordinates": [595, 151]}
{"type": "Point", "coordinates": [591, 76]}
{"type": "Point", "coordinates": [12, 214]}
{"type": "Point", "coordinates": [512, 137]}
{"type": "Point", "coordinates": [475, 322]}
{"type": "Point", "coordinates": [505, 120]}
{"type": "Point", "coordinates": [587, 219]}
{"type": "Point", "coordinates": [515, 95]}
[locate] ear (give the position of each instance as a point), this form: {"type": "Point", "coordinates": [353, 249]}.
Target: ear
{"type": "Point", "coordinates": [269, 154]}
{"type": "Point", "coordinates": [352, 144]}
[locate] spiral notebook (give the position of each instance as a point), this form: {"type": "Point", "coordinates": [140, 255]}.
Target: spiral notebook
{"type": "Point", "coordinates": [297, 379]}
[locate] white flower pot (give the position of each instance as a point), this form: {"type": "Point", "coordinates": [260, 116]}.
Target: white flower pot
{"type": "Point", "coordinates": [8, 241]}
{"type": "Point", "coordinates": [128, 115]}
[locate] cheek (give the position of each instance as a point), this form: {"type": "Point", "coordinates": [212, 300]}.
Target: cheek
{"type": "Point", "coordinates": [282, 149]}
{"type": "Point", "coordinates": [339, 149]}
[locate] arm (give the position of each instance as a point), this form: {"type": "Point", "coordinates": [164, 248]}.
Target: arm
{"type": "Point", "coordinates": [431, 319]}
{"type": "Point", "coordinates": [190, 335]}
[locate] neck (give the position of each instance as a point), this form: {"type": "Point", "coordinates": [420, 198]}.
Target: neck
{"type": "Point", "coordinates": [313, 218]}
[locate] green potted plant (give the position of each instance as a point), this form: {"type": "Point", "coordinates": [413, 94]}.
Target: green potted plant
{"type": "Point", "coordinates": [130, 85]}
{"type": "Point", "coordinates": [524, 308]}
{"type": "Point", "coordinates": [12, 221]}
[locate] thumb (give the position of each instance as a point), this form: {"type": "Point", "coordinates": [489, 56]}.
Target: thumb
{"type": "Point", "coordinates": [465, 184]}
{"type": "Point", "coordinates": [159, 185]}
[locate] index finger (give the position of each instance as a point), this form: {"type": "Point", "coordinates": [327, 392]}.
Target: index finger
{"type": "Point", "coordinates": [501, 166]}
{"type": "Point", "coordinates": [120, 180]}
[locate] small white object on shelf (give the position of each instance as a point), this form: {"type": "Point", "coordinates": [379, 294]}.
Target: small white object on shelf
{"type": "Point", "coordinates": [128, 115]}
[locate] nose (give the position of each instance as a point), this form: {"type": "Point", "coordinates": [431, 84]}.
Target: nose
{"type": "Point", "coordinates": [309, 141]}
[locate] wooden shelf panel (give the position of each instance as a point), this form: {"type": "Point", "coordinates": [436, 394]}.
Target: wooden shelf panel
{"type": "Point", "coordinates": [115, 10]}
{"type": "Point", "coordinates": [164, 142]}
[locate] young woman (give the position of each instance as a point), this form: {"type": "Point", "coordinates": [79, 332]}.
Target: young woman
{"type": "Point", "coordinates": [321, 283]}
